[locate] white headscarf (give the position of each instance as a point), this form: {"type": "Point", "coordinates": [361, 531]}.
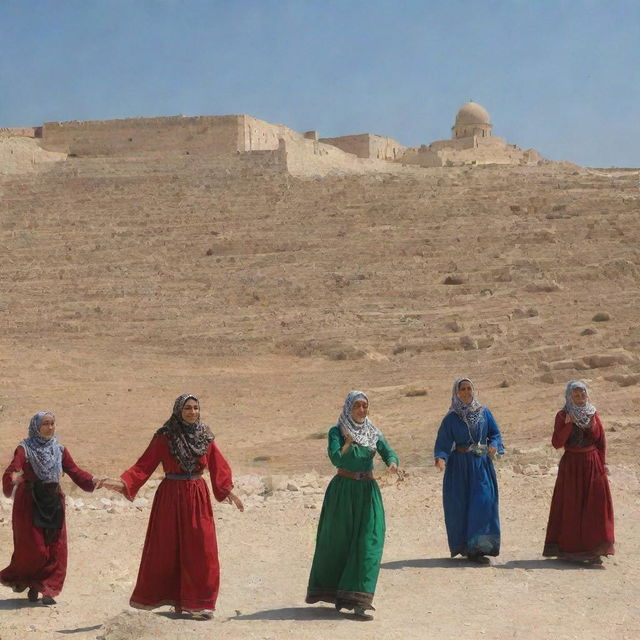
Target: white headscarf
{"type": "Point", "coordinates": [581, 415]}
{"type": "Point", "coordinates": [470, 413]}
{"type": "Point", "coordinates": [363, 433]}
{"type": "Point", "coordinates": [44, 456]}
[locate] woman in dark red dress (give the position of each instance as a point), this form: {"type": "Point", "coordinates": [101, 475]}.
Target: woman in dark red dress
{"type": "Point", "coordinates": [39, 560]}
{"type": "Point", "coordinates": [179, 564]}
{"type": "Point", "coordinates": [581, 519]}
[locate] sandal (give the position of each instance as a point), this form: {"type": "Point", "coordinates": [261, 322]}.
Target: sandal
{"type": "Point", "coordinates": [361, 614]}
{"type": "Point", "coordinates": [48, 600]}
{"type": "Point", "coordinates": [32, 594]}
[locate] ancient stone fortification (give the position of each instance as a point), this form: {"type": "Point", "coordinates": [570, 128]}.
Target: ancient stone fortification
{"type": "Point", "coordinates": [20, 132]}
{"type": "Point", "coordinates": [368, 145]}
{"type": "Point", "coordinates": [270, 147]}
{"type": "Point", "coordinates": [134, 136]}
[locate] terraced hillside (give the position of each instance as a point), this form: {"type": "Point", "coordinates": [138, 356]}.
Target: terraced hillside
{"type": "Point", "coordinates": [124, 282]}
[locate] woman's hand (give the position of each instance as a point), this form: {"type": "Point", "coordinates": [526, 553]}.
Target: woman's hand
{"type": "Point", "coordinates": [491, 452]}
{"type": "Point", "coordinates": [232, 498]}
{"type": "Point", "coordinates": [17, 477]}
{"type": "Point", "coordinates": [393, 467]}
{"type": "Point", "coordinates": [98, 483]}
{"type": "Point", "coordinates": [115, 484]}
{"type": "Point", "coordinates": [348, 441]}
{"type": "Point", "coordinates": [568, 418]}
{"type": "Point", "coordinates": [439, 464]}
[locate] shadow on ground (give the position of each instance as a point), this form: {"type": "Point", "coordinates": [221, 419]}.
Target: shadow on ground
{"type": "Point", "coordinates": [293, 613]}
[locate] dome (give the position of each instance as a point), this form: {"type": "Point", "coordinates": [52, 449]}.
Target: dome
{"type": "Point", "coordinates": [472, 113]}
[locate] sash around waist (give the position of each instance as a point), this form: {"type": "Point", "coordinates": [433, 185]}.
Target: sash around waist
{"type": "Point", "coordinates": [591, 447]}
{"type": "Point", "coordinates": [355, 475]}
{"type": "Point", "coordinates": [182, 476]}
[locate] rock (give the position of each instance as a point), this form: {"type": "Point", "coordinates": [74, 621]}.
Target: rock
{"type": "Point", "coordinates": [624, 380]}
{"type": "Point", "coordinates": [308, 480]}
{"type": "Point", "coordinates": [78, 504]}
{"type": "Point", "coordinates": [606, 360]}
{"type": "Point", "coordinates": [275, 483]}
{"type": "Point", "coordinates": [140, 502]}
{"type": "Point", "coordinates": [249, 485]}
{"type": "Point", "coordinates": [105, 502]}
{"type": "Point", "coordinates": [455, 326]}
{"type": "Point", "coordinates": [601, 316]}
{"type": "Point", "coordinates": [414, 393]}
{"type": "Point", "coordinates": [588, 332]}
{"type": "Point", "coordinates": [485, 343]}
{"type": "Point", "coordinates": [468, 343]}
{"type": "Point", "coordinates": [454, 279]}
{"type": "Point", "coordinates": [292, 487]}
{"type": "Point", "coordinates": [504, 384]}
{"type": "Point", "coordinates": [542, 287]}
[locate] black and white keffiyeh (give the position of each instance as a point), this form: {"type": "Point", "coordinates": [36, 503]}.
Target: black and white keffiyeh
{"type": "Point", "coordinates": [581, 415]}
{"type": "Point", "coordinates": [363, 433]}
{"type": "Point", "coordinates": [187, 442]}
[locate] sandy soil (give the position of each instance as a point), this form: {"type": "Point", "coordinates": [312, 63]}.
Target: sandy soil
{"type": "Point", "coordinates": [124, 284]}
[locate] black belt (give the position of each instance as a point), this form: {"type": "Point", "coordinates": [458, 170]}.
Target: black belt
{"type": "Point", "coordinates": [182, 476]}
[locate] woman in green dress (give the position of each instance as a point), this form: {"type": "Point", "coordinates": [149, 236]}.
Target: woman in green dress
{"type": "Point", "coordinates": [351, 528]}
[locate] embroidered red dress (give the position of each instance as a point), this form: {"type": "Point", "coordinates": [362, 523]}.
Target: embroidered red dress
{"type": "Point", "coordinates": [35, 563]}
{"type": "Point", "coordinates": [179, 564]}
{"type": "Point", "coordinates": [581, 518]}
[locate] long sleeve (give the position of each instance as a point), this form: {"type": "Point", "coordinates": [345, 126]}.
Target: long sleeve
{"type": "Point", "coordinates": [561, 430]}
{"type": "Point", "coordinates": [494, 437]}
{"type": "Point", "coordinates": [81, 477]}
{"type": "Point", "coordinates": [386, 452]}
{"type": "Point", "coordinates": [444, 440]}
{"type": "Point", "coordinates": [220, 472]}
{"type": "Point", "coordinates": [17, 464]}
{"type": "Point", "coordinates": [334, 445]}
{"type": "Point", "coordinates": [139, 473]}
{"type": "Point", "coordinates": [599, 439]}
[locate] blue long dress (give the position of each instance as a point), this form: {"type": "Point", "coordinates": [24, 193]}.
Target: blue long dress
{"type": "Point", "coordinates": [470, 486]}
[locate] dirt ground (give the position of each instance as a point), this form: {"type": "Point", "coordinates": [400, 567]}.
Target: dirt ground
{"type": "Point", "coordinates": [270, 298]}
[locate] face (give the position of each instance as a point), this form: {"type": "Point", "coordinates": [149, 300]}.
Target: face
{"type": "Point", "coordinates": [47, 427]}
{"type": "Point", "coordinates": [465, 391]}
{"type": "Point", "coordinates": [359, 410]}
{"type": "Point", "coordinates": [579, 396]}
{"type": "Point", "coordinates": [191, 411]}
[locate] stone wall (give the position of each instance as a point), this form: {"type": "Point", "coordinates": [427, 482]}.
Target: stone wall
{"type": "Point", "coordinates": [132, 136]}
{"type": "Point", "coordinates": [20, 132]}
{"type": "Point", "coordinates": [470, 150]}
{"type": "Point", "coordinates": [20, 155]}
{"type": "Point", "coordinates": [368, 145]}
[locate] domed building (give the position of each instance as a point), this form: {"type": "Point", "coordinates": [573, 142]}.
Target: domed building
{"type": "Point", "coordinates": [471, 120]}
{"type": "Point", "coordinates": [472, 142]}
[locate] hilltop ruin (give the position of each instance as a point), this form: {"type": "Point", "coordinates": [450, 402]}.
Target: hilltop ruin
{"type": "Point", "coordinates": [241, 141]}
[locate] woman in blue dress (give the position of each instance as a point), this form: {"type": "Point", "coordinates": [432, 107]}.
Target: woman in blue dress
{"type": "Point", "coordinates": [468, 440]}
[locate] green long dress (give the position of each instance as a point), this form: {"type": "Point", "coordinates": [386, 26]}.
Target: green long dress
{"type": "Point", "coordinates": [351, 529]}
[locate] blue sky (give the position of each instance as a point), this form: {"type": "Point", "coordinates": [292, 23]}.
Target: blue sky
{"type": "Point", "coordinates": [558, 75]}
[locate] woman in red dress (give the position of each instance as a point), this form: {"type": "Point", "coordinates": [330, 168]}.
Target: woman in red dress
{"type": "Point", "coordinates": [179, 564]}
{"type": "Point", "coordinates": [581, 519]}
{"type": "Point", "coordinates": [39, 560]}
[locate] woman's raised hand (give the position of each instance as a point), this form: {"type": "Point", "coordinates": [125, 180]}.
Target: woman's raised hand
{"type": "Point", "coordinates": [232, 498]}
